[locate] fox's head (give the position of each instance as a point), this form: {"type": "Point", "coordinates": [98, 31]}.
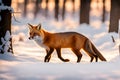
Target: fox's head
{"type": "Point", "coordinates": [35, 31]}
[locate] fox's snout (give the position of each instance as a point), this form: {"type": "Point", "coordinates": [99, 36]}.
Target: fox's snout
{"type": "Point", "coordinates": [30, 38]}
{"type": "Point", "coordinates": [33, 37]}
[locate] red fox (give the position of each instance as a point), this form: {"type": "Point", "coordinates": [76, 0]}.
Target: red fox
{"type": "Point", "coordinates": [56, 41]}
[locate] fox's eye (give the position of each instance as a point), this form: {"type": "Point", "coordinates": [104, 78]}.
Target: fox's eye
{"type": "Point", "coordinates": [30, 33]}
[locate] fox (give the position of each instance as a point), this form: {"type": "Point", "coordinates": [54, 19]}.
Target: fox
{"type": "Point", "coordinates": [56, 41]}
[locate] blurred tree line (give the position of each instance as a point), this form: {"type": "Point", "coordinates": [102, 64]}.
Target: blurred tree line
{"type": "Point", "coordinates": [84, 13]}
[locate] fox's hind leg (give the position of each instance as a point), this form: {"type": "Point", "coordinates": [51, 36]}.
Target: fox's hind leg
{"type": "Point", "coordinates": [48, 55]}
{"type": "Point", "coordinates": [88, 49]}
{"type": "Point", "coordinates": [91, 58]}
{"type": "Point", "coordinates": [91, 54]}
{"type": "Point", "coordinates": [96, 58]}
{"type": "Point", "coordinates": [59, 55]}
{"type": "Point", "coordinates": [78, 54]}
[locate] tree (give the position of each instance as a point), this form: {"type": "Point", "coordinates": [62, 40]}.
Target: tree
{"type": "Point", "coordinates": [63, 11]}
{"type": "Point", "coordinates": [103, 15]}
{"type": "Point", "coordinates": [25, 7]}
{"type": "Point", "coordinates": [73, 2]}
{"type": "Point", "coordinates": [46, 9]}
{"type": "Point", "coordinates": [84, 11]}
{"type": "Point", "coordinates": [56, 9]}
{"type": "Point", "coordinates": [36, 8]}
{"type": "Point", "coordinates": [5, 26]}
{"type": "Point", "coordinates": [114, 16]}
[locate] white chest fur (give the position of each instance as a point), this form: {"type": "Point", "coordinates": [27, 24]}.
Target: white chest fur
{"type": "Point", "coordinates": [39, 41]}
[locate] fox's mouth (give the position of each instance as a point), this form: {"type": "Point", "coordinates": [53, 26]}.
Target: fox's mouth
{"type": "Point", "coordinates": [30, 38]}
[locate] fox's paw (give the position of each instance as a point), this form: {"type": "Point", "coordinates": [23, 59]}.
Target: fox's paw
{"type": "Point", "coordinates": [66, 60]}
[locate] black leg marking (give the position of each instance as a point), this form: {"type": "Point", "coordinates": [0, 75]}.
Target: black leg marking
{"type": "Point", "coordinates": [91, 58]}
{"type": "Point", "coordinates": [48, 55]}
{"type": "Point", "coordinates": [96, 57]}
{"type": "Point", "coordinates": [59, 55]}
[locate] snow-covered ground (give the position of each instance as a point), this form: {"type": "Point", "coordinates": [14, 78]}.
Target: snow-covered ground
{"type": "Point", "coordinates": [27, 63]}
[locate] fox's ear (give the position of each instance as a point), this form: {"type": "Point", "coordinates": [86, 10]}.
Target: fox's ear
{"type": "Point", "coordinates": [30, 26]}
{"type": "Point", "coordinates": [38, 26]}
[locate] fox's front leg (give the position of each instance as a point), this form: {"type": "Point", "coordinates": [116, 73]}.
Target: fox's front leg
{"type": "Point", "coordinates": [48, 55]}
{"type": "Point", "coordinates": [47, 52]}
{"type": "Point", "coordinates": [59, 55]}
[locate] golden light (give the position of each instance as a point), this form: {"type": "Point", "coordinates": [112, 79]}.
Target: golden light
{"type": "Point", "coordinates": [43, 5]}
{"type": "Point", "coordinates": [108, 5]}
{"type": "Point", "coordinates": [69, 6]}
{"type": "Point", "coordinates": [51, 5]}
{"type": "Point", "coordinates": [61, 4]}
{"type": "Point", "coordinates": [77, 5]}
{"type": "Point", "coordinates": [93, 4]}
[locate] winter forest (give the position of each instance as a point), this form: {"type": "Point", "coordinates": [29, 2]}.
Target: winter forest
{"type": "Point", "coordinates": [21, 58]}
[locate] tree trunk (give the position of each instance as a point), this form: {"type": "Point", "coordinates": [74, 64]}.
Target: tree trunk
{"type": "Point", "coordinates": [5, 27]}
{"type": "Point", "coordinates": [63, 11]}
{"type": "Point", "coordinates": [46, 9]}
{"type": "Point", "coordinates": [56, 9]}
{"type": "Point", "coordinates": [36, 8]}
{"type": "Point", "coordinates": [25, 8]}
{"type": "Point", "coordinates": [114, 16]}
{"type": "Point", "coordinates": [103, 15]}
{"type": "Point", "coordinates": [73, 2]}
{"type": "Point", "coordinates": [84, 11]}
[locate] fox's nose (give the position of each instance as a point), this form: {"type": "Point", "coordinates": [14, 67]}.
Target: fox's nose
{"type": "Point", "coordinates": [30, 38]}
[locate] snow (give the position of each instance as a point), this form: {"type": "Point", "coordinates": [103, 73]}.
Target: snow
{"type": "Point", "coordinates": [3, 7]}
{"type": "Point", "coordinates": [5, 42]}
{"type": "Point", "coordinates": [59, 71]}
{"type": "Point", "coordinates": [27, 62]}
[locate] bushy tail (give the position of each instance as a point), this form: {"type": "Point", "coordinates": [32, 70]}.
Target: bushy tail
{"type": "Point", "coordinates": [94, 49]}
